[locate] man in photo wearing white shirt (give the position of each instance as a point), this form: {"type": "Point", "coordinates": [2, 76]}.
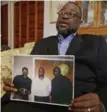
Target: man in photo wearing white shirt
{"type": "Point", "coordinates": [41, 87]}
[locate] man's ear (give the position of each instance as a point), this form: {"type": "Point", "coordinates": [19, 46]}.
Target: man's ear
{"type": "Point", "coordinates": [81, 21]}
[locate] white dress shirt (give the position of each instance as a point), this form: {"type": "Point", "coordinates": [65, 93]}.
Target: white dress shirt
{"type": "Point", "coordinates": [41, 87]}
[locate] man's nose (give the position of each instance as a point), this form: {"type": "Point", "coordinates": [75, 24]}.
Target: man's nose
{"type": "Point", "coordinates": [65, 16]}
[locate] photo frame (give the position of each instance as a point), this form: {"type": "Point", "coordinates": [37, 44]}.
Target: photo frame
{"type": "Point", "coordinates": [44, 87]}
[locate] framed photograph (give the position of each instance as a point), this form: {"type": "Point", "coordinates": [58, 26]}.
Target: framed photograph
{"type": "Point", "coordinates": [55, 7]}
{"type": "Point", "coordinates": [43, 79]}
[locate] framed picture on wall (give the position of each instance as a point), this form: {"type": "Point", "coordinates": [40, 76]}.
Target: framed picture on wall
{"type": "Point", "coordinates": [55, 7]}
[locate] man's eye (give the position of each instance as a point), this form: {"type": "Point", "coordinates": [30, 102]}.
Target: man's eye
{"type": "Point", "coordinates": [70, 14]}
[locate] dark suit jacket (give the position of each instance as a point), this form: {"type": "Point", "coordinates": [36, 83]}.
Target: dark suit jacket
{"type": "Point", "coordinates": [61, 90]}
{"type": "Point", "coordinates": [91, 69]}
{"type": "Point", "coordinates": [21, 82]}
{"type": "Point", "coordinates": [91, 62]}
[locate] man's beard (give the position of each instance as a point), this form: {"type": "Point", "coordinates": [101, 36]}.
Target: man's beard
{"type": "Point", "coordinates": [66, 32]}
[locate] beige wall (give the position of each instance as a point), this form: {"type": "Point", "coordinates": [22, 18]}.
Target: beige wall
{"type": "Point", "coordinates": [10, 22]}
{"type": "Point", "coordinates": [20, 62]}
{"type": "Point", "coordinates": [49, 29]}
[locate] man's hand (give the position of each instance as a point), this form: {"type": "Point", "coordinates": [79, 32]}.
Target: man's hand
{"type": "Point", "coordinates": [8, 86]}
{"type": "Point", "coordinates": [86, 103]}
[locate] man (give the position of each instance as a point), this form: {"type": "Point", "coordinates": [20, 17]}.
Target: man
{"type": "Point", "coordinates": [91, 62]}
{"type": "Point", "coordinates": [23, 85]}
{"type": "Point", "coordinates": [41, 87]}
{"type": "Point", "coordinates": [61, 84]}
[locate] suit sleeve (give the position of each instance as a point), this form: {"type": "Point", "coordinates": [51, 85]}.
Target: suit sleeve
{"type": "Point", "coordinates": [36, 49]}
{"type": "Point", "coordinates": [102, 71]}
{"type": "Point", "coordinates": [102, 63]}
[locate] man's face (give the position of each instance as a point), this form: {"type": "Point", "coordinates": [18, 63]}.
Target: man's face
{"type": "Point", "coordinates": [57, 71]}
{"type": "Point", "coordinates": [41, 72]}
{"type": "Point", "coordinates": [69, 19]}
{"type": "Point", "coordinates": [25, 72]}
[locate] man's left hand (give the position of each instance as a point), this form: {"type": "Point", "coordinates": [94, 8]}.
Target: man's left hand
{"type": "Point", "coordinates": [86, 103]}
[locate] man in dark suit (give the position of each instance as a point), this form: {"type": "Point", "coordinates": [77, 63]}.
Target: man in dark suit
{"type": "Point", "coordinates": [90, 68]}
{"type": "Point", "coordinates": [23, 85]}
{"type": "Point", "coordinates": [61, 84]}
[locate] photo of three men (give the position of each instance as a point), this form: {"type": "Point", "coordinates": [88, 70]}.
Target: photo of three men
{"type": "Point", "coordinates": [51, 82]}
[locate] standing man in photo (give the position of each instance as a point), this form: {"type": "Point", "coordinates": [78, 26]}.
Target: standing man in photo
{"type": "Point", "coordinates": [61, 88]}
{"type": "Point", "coordinates": [41, 87]}
{"type": "Point", "coordinates": [23, 85]}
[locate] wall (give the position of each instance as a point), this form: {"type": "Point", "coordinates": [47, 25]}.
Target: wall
{"type": "Point", "coordinates": [10, 22]}
{"type": "Point", "coordinates": [23, 61]}
{"type": "Point", "coordinates": [49, 29]}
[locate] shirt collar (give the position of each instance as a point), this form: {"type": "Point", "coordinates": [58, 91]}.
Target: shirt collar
{"type": "Point", "coordinates": [68, 38]}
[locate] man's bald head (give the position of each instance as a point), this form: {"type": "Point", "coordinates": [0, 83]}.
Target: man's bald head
{"type": "Point", "coordinates": [69, 19]}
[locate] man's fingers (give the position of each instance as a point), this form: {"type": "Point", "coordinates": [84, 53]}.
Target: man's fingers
{"type": "Point", "coordinates": [91, 109]}
{"type": "Point", "coordinates": [89, 96]}
{"type": "Point", "coordinates": [9, 89]}
{"type": "Point", "coordinates": [85, 104]}
{"type": "Point", "coordinates": [8, 82]}
{"type": "Point", "coordinates": [8, 86]}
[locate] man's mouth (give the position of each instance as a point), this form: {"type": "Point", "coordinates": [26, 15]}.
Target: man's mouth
{"type": "Point", "coordinates": [63, 24]}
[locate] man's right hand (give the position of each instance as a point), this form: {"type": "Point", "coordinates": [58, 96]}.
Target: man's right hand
{"type": "Point", "coordinates": [8, 86]}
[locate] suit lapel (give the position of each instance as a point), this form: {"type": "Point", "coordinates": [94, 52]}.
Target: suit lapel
{"type": "Point", "coordinates": [74, 45]}
{"type": "Point", "coordinates": [53, 46]}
